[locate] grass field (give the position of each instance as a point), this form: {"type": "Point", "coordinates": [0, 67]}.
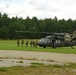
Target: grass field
{"type": "Point", "coordinates": [39, 69]}
{"type": "Point", "coordinates": [12, 45]}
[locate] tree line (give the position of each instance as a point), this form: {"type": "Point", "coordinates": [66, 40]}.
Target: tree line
{"type": "Point", "coordinates": [8, 26]}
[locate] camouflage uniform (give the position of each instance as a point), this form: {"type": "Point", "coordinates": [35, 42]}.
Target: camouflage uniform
{"type": "Point", "coordinates": [18, 42]}
{"type": "Point", "coordinates": [26, 43]}
{"type": "Point", "coordinates": [22, 42]}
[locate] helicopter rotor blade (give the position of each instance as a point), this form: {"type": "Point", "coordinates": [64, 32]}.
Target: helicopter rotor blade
{"type": "Point", "coordinates": [34, 32]}
{"type": "Point", "coordinates": [22, 31]}
{"type": "Point", "coordinates": [60, 34]}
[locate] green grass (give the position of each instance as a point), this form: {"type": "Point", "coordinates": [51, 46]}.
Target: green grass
{"type": "Point", "coordinates": [3, 69]}
{"type": "Point", "coordinates": [39, 69]}
{"type": "Point", "coordinates": [11, 45]}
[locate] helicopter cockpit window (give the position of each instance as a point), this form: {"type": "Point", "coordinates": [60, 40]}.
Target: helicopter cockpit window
{"type": "Point", "coordinates": [42, 40]}
{"type": "Point", "coordinates": [45, 40]}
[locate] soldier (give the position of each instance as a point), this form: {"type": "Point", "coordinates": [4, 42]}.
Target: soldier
{"type": "Point", "coordinates": [68, 40]}
{"type": "Point", "coordinates": [36, 44]}
{"type": "Point", "coordinates": [18, 42]}
{"type": "Point", "coordinates": [31, 43]}
{"type": "Point", "coordinates": [26, 43]}
{"type": "Point", "coordinates": [22, 42]}
{"type": "Point", "coordinates": [53, 43]}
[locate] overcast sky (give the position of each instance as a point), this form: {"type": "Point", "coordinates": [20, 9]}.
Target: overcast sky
{"type": "Point", "coordinates": [40, 8]}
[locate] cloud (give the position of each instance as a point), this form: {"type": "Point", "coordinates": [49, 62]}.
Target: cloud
{"type": "Point", "coordinates": [14, 9]}
{"type": "Point", "coordinates": [52, 8]}
{"type": "Point", "coordinates": [68, 11]}
{"type": "Point", "coordinates": [2, 6]}
{"type": "Point", "coordinates": [39, 8]}
{"type": "Point", "coordinates": [46, 5]}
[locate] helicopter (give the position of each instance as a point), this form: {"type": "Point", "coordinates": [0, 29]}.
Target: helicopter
{"type": "Point", "coordinates": [56, 39]}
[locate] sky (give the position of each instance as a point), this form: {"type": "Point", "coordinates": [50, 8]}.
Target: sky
{"type": "Point", "coordinates": [39, 8]}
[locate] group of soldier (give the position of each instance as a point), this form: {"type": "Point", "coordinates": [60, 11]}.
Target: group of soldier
{"type": "Point", "coordinates": [27, 43]}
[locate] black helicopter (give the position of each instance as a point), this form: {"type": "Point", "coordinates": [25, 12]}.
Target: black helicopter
{"type": "Point", "coordinates": [56, 39]}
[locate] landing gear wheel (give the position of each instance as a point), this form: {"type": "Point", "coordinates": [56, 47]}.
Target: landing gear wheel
{"type": "Point", "coordinates": [44, 47]}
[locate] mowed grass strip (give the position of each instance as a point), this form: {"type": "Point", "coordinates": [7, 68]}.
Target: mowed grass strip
{"type": "Point", "coordinates": [12, 45]}
{"type": "Point", "coordinates": [39, 69]}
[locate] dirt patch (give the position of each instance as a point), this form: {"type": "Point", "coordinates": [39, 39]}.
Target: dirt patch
{"type": "Point", "coordinates": [10, 57]}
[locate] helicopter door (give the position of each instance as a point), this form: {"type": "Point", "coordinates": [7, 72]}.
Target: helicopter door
{"type": "Point", "coordinates": [48, 40]}
{"type": "Point", "coordinates": [58, 41]}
